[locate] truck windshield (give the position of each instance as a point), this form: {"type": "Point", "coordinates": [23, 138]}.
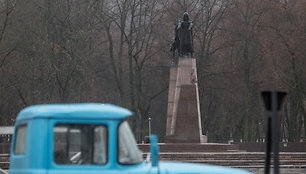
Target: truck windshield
{"type": "Point", "coordinates": [128, 152]}
{"type": "Point", "coordinates": [79, 144]}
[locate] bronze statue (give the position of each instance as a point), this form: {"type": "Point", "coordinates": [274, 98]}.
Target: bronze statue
{"type": "Point", "coordinates": [183, 40]}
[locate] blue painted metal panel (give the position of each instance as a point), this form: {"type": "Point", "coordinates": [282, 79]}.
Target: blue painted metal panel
{"type": "Point", "coordinates": [18, 161]}
{"type": "Point", "coordinates": [74, 111]}
{"type": "Point", "coordinates": [34, 158]}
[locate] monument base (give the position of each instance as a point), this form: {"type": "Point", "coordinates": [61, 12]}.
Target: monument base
{"type": "Point", "coordinates": [183, 116]}
{"type": "Point", "coordinates": [184, 139]}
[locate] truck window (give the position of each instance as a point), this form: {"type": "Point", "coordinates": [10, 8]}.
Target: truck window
{"type": "Point", "coordinates": [128, 152]}
{"type": "Point", "coordinates": [80, 144]}
{"type": "Point", "coordinates": [20, 139]}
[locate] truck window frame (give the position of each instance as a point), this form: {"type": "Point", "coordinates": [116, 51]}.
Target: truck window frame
{"type": "Point", "coordinates": [118, 147]}
{"type": "Point", "coordinates": [91, 144]}
{"type": "Point", "coordinates": [24, 141]}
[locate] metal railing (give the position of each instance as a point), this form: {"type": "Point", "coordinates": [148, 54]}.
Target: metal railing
{"type": "Point", "coordinates": [4, 171]}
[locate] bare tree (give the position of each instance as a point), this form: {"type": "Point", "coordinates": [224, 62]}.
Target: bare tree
{"type": "Point", "coordinates": [286, 45]}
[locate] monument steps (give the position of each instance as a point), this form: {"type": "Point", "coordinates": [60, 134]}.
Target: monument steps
{"type": "Point", "coordinates": [4, 165]}
{"type": "Point", "coordinates": [4, 161]}
{"type": "Point", "coordinates": [192, 147]}
{"type": "Point", "coordinates": [233, 159]}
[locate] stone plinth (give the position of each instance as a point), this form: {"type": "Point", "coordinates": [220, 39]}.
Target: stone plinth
{"type": "Point", "coordinates": [183, 117]}
{"type": "Point", "coordinates": [172, 84]}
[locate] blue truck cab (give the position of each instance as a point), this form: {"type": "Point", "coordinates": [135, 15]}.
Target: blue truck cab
{"type": "Point", "coordinates": [86, 139]}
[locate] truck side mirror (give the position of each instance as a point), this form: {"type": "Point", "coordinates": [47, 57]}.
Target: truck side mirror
{"type": "Point", "coordinates": [154, 150]}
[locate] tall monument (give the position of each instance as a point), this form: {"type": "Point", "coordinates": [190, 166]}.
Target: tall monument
{"type": "Point", "coordinates": [183, 116]}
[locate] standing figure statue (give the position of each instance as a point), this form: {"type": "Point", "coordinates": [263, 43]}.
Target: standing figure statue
{"type": "Point", "coordinates": [183, 39]}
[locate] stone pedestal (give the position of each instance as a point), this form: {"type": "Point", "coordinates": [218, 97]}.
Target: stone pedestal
{"type": "Point", "coordinates": [172, 84]}
{"type": "Point", "coordinates": [183, 116]}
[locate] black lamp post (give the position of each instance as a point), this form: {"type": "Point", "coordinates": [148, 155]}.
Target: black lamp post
{"type": "Point", "coordinates": [273, 101]}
